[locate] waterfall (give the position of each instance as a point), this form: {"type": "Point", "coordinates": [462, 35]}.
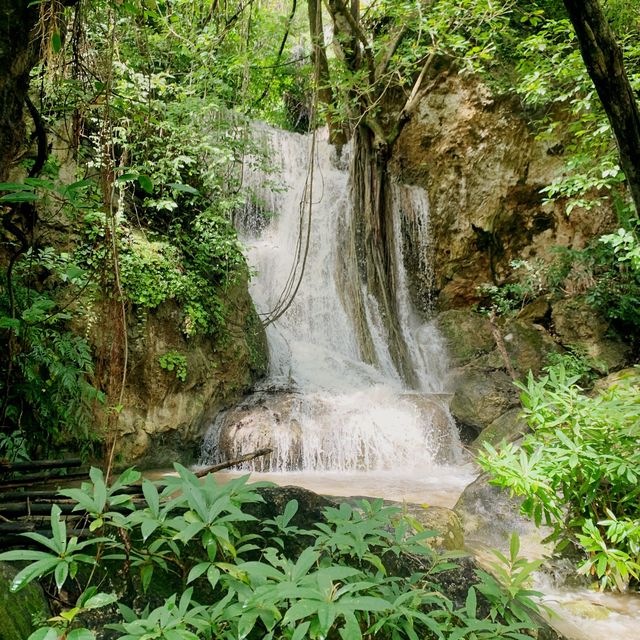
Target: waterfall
{"type": "Point", "coordinates": [327, 404]}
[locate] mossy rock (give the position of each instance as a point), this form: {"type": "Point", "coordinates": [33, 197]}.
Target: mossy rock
{"type": "Point", "coordinates": [508, 427]}
{"type": "Point", "coordinates": [19, 611]}
{"type": "Point", "coordinates": [468, 335]}
{"type": "Point", "coordinates": [580, 326]}
{"type": "Point", "coordinates": [481, 397]}
{"type": "Point", "coordinates": [445, 521]}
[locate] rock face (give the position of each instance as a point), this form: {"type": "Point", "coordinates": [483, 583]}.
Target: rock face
{"type": "Point", "coordinates": [483, 171]}
{"type": "Point", "coordinates": [19, 610]}
{"type": "Point", "coordinates": [577, 324]}
{"type": "Point", "coordinates": [485, 400]}
{"type": "Point", "coordinates": [165, 419]}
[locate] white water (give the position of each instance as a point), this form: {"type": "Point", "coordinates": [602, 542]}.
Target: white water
{"type": "Point", "coordinates": [338, 413]}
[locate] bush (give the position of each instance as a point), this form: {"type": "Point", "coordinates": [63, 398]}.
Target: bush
{"type": "Point", "coordinates": [579, 471]}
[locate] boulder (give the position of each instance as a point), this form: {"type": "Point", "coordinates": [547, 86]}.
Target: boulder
{"type": "Point", "coordinates": [578, 325]}
{"type": "Point", "coordinates": [528, 346]}
{"type": "Point", "coordinates": [489, 516]}
{"type": "Point", "coordinates": [445, 521]}
{"type": "Point", "coordinates": [20, 612]}
{"type": "Point", "coordinates": [481, 396]}
{"type": "Point", "coordinates": [263, 421]}
{"type": "Point", "coordinates": [508, 427]}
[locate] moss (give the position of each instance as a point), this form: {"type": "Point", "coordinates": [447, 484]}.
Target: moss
{"type": "Point", "coordinates": [18, 611]}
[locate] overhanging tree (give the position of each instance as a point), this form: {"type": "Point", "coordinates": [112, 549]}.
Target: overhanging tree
{"type": "Point", "coordinates": [603, 58]}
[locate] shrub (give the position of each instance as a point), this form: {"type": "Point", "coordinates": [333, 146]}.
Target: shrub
{"type": "Point", "coordinates": [579, 470]}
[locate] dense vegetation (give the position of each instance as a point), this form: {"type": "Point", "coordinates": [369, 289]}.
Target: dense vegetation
{"type": "Point", "coordinates": [276, 581]}
{"type": "Point", "coordinates": [146, 107]}
{"type": "Point", "coordinates": [124, 91]}
{"type": "Point", "coordinates": [578, 470]}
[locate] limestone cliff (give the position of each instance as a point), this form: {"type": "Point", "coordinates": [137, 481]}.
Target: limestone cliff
{"type": "Point", "coordinates": [164, 418]}
{"type": "Point", "coordinates": [483, 169]}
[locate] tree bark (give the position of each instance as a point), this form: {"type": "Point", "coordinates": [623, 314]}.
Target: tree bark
{"type": "Point", "coordinates": [18, 55]}
{"type": "Point", "coordinates": [604, 61]}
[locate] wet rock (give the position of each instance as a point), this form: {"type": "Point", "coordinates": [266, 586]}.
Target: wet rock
{"type": "Point", "coordinates": [445, 521]}
{"type": "Point", "coordinates": [578, 325]}
{"type": "Point", "coordinates": [264, 421]}
{"type": "Point", "coordinates": [20, 612]}
{"type": "Point", "coordinates": [489, 516]}
{"type": "Point", "coordinates": [481, 396]}
{"type": "Point", "coordinates": [586, 609]}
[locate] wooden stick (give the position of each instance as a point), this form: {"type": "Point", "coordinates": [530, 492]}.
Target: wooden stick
{"type": "Point", "coordinates": [38, 479]}
{"type": "Point", "coordinates": [502, 349]}
{"type": "Point", "coordinates": [37, 465]}
{"type": "Point", "coordinates": [232, 463]}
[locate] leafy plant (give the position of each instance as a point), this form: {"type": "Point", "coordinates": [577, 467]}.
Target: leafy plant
{"type": "Point", "coordinates": [578, 470]}
{"type": "Point", "coordinates": [252, 585]}
{"type": "Point", "coordinates": [174, 361]}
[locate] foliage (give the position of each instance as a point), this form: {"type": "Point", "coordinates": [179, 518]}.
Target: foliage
{"type": "Point", "coordinates": [578, 470]}
{"type": "Point", "coordinates": [46, 382]}
{"type": "Point", "coordinates": [250, 584]}
{"type": "Point", "coordinates": [174, 361]}
{"type": "Point", "coordinates": [510, 298]}
{"type": "Point", "coordinates": [614, 281]}
{"type": "Point", "coordinates": [576, 364]}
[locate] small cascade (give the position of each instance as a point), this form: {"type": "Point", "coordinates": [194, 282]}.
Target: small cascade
{"type": "Point", "coordinates": [325, 406]}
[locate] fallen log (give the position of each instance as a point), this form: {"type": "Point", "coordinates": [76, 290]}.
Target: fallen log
{"type": "Point", "coordinates": [232, 463]}
{"type": "Point", "coordinates": [42, 479]}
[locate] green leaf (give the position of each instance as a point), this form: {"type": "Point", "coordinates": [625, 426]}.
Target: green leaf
{"type": "Point", "coordinates": [33, 572]}
{"type": "Point", "coordinates": [179, 186]}
{"type": "Point", "coordinates": [81, 634]}
{"type": "Point", "coordinates": [13, 186]}
{"type": "Point", "coordinates": [146, 573]}
{"type": "Point", "coordinates": [61, 573]}
{"type": "Point", "coordinates": [100, 600]}
{"type": "Point", "coordinates": [58, 529]}
{"type": "Point", "coordinates": [514, 546]}
{"type": "Point", "coordinates": [45, 633]}
{"type": "Point", "coordinates": [471, 603]}
{"type": "Point", "coordinates": [20, 196]}
{"type": "Point", "coordinates": [197, 571]}
{"type": "Point", "coordinates": [151, 496]}
{"type": "Point", "coordinates": [301, 631]}
{"type": "Point", "coordinates": [56, 42]}
{"type": "Point", "coordinates": [145, 183]}
{"type": "Point", "coordinates": [25, 554]}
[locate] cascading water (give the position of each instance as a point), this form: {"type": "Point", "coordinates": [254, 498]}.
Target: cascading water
{"type": "Point", "coordinates": [324, 408]}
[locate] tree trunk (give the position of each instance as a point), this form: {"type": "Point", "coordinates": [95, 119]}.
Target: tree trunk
{"type": "Point", "coordinates": [604, 61]}
{"type": "Point", "coordinates": [337, 134]}
{"type": "Point", "coordinates": [373, 249]}
{"type": "Point", "coordinates": [18, 55]}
